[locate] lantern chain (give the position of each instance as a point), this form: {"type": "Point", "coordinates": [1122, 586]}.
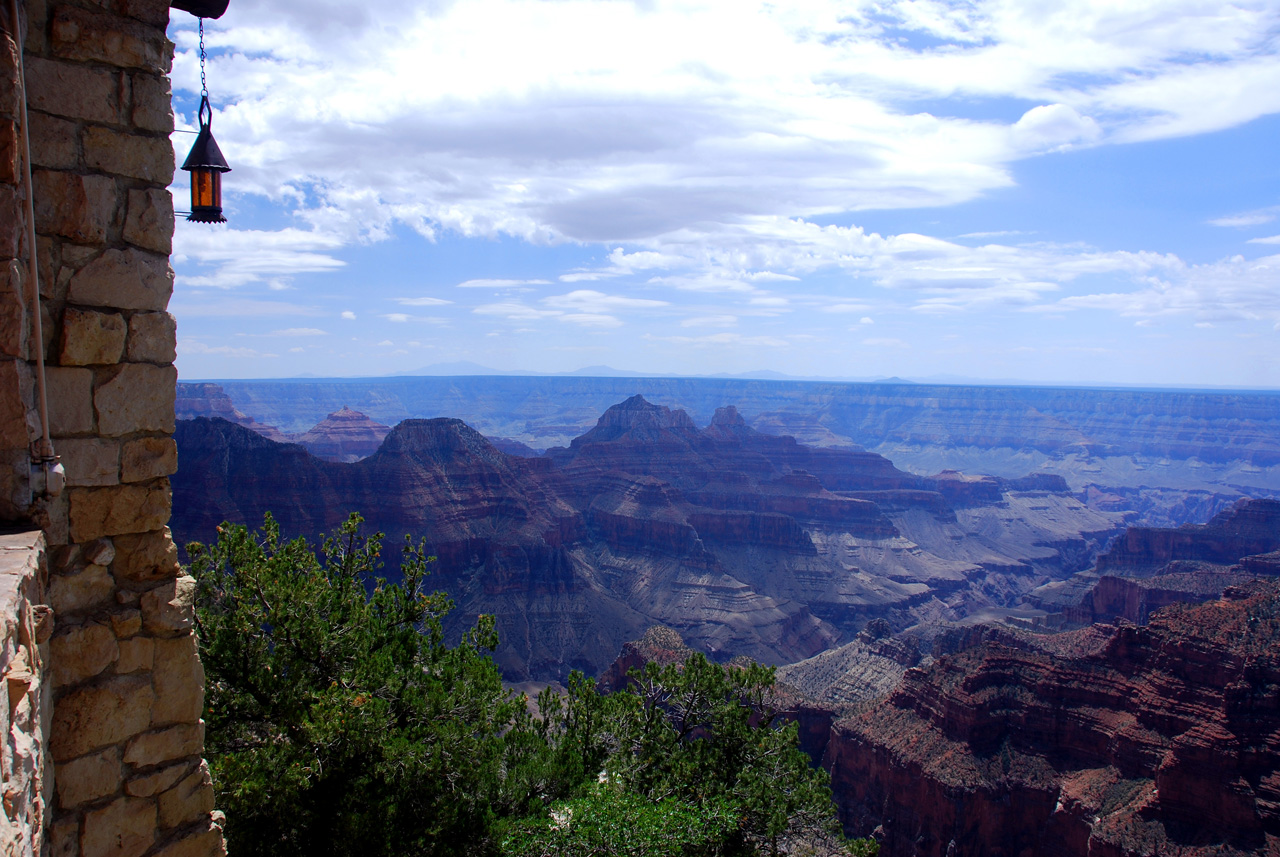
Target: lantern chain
{"type": "Point", "coordinates": [204, 86]}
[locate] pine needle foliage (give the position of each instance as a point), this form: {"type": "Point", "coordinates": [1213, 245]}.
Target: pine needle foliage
{"type": "Point", "coordinates": [339, 722]}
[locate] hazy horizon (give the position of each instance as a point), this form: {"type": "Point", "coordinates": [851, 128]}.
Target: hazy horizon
{"type": "Point", "coordinates": [1068, 195]}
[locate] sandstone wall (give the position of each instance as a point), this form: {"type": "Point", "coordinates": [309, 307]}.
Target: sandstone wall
{"type": "Point", "coordinates": [125, 738]}
{"type": "Point", "coordinates": [25, 624]}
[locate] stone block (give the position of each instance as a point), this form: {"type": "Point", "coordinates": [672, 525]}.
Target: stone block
{"type": "Point", "coordinates": [79, 34]}
{"type": "Point", "coordinates": [125, 827]}
{"type": "Point", "coordinates": [95, 717]}
{"type": "Point", "coordinates": [99, 552]}
{"type": "Point", "coordinates": [162, 780]}
{"type": "Point", "coordinates": [81, 592]}
{"type": "Point", "coordinates": [188, 800]}
{"type": "Point", "coordinates": [70, 392]}
{"type": "Point", "coordinates": [92, 338]}
{"type": "Point", "coordinates": [88, 778]}
{"type": "Point", "coordinates": [17, 426]}
{"type": "Point", "coordinates": [72, 90]}
{"type": "Point", "coordinates": [206, 843]}
{"type": "Point", "coordinates": [146, 557]}
{"type": "Point", "coordinates": [123, 279]}
{"type": "Point", "coordinates": [10, 161]}
{"type": "Point", "coordinates": [76, 207]}
{"type": "Point", "coordinates": [153, 337]}
{"type": "Point", "coordinates": [10, 104]}
{"type": "Point", "coordinates": [97, 512]}
{"type": "Point", "coordinates": [136, 653]}
{"type": "Point", "coordinates": [15, 323]}
{"type": "Point", "coordinates": [37, 21]}
{"type": "Point", "coordinates": [154, 12]}
{"type": "Point", "coordinates": [169, 608]}
{"type": "Point", "coordinates": [12, 225]}
{"type": "Point", "coordinates": [53, 142]}
{"type": "Point", "coordinates": [149, 223]}
{"type": "Point", "coordinates": [82, 652]}
{"type": "Point", "coordinates": [138, 397]}
{"type": "Point", "coordinates": [152, 103]}
{"type": "Point", "coordinates": [64, 837]}
{"type": "Point", "coordinates": [148, 458]}
{"type": "Point", "coordinates": [126, 623]}
{"type": "Point", "coordinates": [165, 745]}
{"type": "Point", "coordinates": [50, 268]}
{"type": "Point", "coordinates": [178, 680]}
{"type": "Point", "coordinates": [90, 461]}
{"type": "Point", "coordinates": [146, 158]}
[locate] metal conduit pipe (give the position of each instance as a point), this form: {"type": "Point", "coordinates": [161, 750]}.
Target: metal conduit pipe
{"type": "Point", "coordinates": [47, 474]}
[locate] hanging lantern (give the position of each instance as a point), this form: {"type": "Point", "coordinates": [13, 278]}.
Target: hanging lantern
{"type": "Point", "coordinates": [205, 161]}
{"type": "Point", "coordinates": [206, 165]}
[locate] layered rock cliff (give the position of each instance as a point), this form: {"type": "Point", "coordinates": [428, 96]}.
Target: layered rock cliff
{"type": "Point", "coordinates": [344, 435]}
{"type": "Point", "coordinates": [1156, 740]}
{"type": "Point", "coordinates": [1151, 567]}
{"type": "Point", "coordinates": [1148, 450]}
{"type": "Point", "coordinates": [747, 544]}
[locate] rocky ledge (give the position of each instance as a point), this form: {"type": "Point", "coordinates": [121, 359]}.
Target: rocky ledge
{"type": "Point", "coordinates": [1155, 740]}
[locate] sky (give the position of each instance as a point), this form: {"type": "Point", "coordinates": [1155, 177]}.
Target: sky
{"type": "Point", "coordinates": [1046, 192]}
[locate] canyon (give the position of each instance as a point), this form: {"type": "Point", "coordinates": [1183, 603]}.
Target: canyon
{"type": "Point", "coordinates": [746, 543]}
{"type": "Point", "coordinates": [997, 664]}
{"type": "Point", "coordinates": [1117, 739]}
{"type": "Point", "coordinates": [1169, 456]}
{"type": "Point", "coordinates": [1161, 739]}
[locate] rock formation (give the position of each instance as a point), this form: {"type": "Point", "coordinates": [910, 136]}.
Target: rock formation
{"type": "Point", "coordinates": [1151, 567]}
{"type": "Point", "coordinates": [344, 435]}
{"type": "Point", "coordinates": [194, 401]}
{"type": "Point", "coordinates": [1170, 456]}
{"type": "Point", "coordinates": [1156, 740]}
{"type": "Point", "coordinates": [746, 544]}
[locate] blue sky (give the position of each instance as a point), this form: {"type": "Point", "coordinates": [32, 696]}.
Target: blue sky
{"type": "Point", "coordinates": [1052, 192]}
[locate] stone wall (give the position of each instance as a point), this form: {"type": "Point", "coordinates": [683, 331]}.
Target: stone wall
{"type": "Point", "coordinates": [125, 739]}
{"type": "Point", "coordinates": [25, 625]}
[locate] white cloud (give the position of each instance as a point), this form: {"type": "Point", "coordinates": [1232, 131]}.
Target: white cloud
{"type": "Point", "coordinates": [711, 321]}
{"type": "Point", "coordinates": [1051, 127]}
{"type": "Point", "coordinates": [515, 310]}
{"type": "Point", "coordinates": [222, 307]}
{"type": "Point", "coordinates": [588, 319]}
{"type": "Point", "coordinates": [300, 331]}
{"type": "Point", "coordinates": [191, 346]}
{"type": "Point", "coordinates": [884, 343]}
{"type": "Point", "coordinates": [239, 257]}
{"type": "Point", "coordinates": [1270, 239]}
{"type": "Point", "coordinates": [592, 301]}
{"type": "Point", "coordinates": [1235, 289]}
{"type": "Point", "coordinates": [744, 109]}
{"type": "Point", "coordinates": [422, 301]}
{"type": "Point", "coordinates": [1251, 218]}
{"type": "Point", "coordinates": [500, 284]}
{"type": "Point", "coordinates": [398, 317]}
{"type": "Point", "coordinates": [348, 315]}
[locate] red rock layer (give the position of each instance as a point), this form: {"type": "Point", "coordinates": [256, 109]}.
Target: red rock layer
{"type": "Point", "coordinates": [209, 400]}
{"type": "Point", "coordinates": [1250, 527]}
{"type": "Point", "coordinates": [1163, 740]}
{"type": "Point", "coordinates": [344, 435]}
